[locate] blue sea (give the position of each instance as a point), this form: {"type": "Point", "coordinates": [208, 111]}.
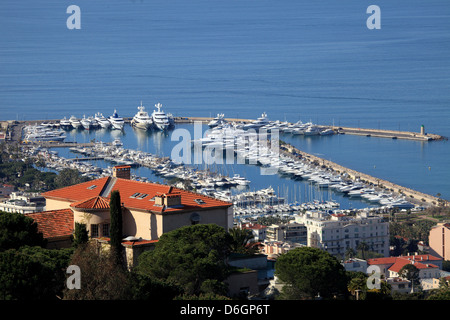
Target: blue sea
{"type": "Point", "coordinates": [295, 60]}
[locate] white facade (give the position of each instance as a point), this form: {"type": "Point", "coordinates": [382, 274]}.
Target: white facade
{"type": "Point", "coordinates": [23, 203]}
{"type": "Point", "coordinates": [335, 233]}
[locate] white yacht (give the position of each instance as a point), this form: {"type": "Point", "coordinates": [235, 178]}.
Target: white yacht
{"type": "Point", "coordinates": [102, 121]}
{"type": "Point", "coordinates": [258, 123]}
{"type": "Point", "coordinates": [75, 122]}
{"type": "Point", "coordinates": [218, 120]}
{"type": "Point", "coordinates": [312, 131]}
{"type": "Point", "coordinates": [327, 132]}
{"type": "Point", "coordinates": [65, 123]}
{"type": "Point", "coordinates": [86, 123]}
{"type": "Point", "coordinates": [141, 119]}
{"type": "Point", "coordinates": [160, 119]}
{"type": "Point", "coordinates": [41, 133]}
{"type": "Point", "coordinates": [241, 180]}
{"type": "Point", "coordinates": [116, 121]}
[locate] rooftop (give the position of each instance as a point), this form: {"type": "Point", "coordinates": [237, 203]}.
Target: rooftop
{"type": "Point", "coordinates": [138, 195]}
{"type": "Point", "coordinates": [54, 224]}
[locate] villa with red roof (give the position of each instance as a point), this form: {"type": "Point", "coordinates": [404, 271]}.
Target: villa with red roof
{"type": "Point", "coordinates": [148, 209]}
{"type": "Point", "coordinates": [429, 266]}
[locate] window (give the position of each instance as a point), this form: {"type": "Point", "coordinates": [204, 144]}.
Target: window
{"type": "Point", "coordinates": [105, 230]}
{"type": "Point", "coordinates": [142, 196]}
{"type": "Point", "coordinates": [94, 230]}
{"type": "Point", "coordinates": [134, 195]}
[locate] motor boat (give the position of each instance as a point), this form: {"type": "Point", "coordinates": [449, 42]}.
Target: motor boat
{"type": "Point", "coordinates": [87, 123]}
{"type": "Point", "coordinates": [65, 123]}
{"type": "Point", "coordinates": [218, 120]}
{"type": "Point", "coordinates": [160, 119]}
{"type": "Point", "coordinates": [75, 122]}
{"type": "Point", "coordinates": [258, 123]}
{"type": "Point", "coordinates": [116, 121]}
{"type": "Point", "coordinates": [141, 119]}
{"type": "Point", "coordinates": [102, 121]}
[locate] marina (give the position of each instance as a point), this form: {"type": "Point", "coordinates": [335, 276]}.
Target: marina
{"type": "Point", "coordinates": [318, 175]}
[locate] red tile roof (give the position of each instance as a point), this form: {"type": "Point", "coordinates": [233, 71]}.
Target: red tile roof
{"type": "Point", "coordinates": [54, 224]}
{"type": "Point", "coordinates": [85, 191]}
{"type": "Point", "coordinates": [92, 203]}
{"type": "Point", "coordinates": [420, 261]}
{"type": "Point", "coordinates": [400, 263]}
{"type": "Point", "coordinates": [79, 192]}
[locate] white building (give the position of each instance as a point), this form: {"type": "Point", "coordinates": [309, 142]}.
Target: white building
{"type": "Point", "coordinates": [23, 203]}
{"type": "Point", "coordinates": [335, 233]}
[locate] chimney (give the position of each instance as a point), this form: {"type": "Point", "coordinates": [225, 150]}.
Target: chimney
{"type": "Point", "coordinates": [168, 200]}
{"type": "Point", "coordinates": [122, 172]}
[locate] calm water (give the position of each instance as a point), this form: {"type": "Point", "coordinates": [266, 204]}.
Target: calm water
{"type": "Point", "coordinates": [308, 60]}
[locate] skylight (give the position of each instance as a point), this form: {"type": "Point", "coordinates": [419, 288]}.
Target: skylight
{"type": "Point", "coordinates": [199, 201]}
{"type": "Point", "coordinates": [92, 187]}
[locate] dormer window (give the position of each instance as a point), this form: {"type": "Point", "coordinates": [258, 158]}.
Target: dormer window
{"type": "Point", "coordinates": [199, 201]}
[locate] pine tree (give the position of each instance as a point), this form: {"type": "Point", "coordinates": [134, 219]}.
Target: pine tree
{"type": "Point", "coordinates": [115, 210]}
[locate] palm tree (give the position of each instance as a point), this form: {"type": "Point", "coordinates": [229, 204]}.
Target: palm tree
{"type": "Point", "coordinates": [356, 285]}
{"type": "Point", "coordinates": [363, 246]}
{"type": "Point", "coordinates": [350, 253]}
{"type": "Point", "coordinates": [243, 241]}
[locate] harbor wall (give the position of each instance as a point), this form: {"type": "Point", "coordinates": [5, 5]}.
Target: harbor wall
{"type": "Point", "coordinates": [410, 194]}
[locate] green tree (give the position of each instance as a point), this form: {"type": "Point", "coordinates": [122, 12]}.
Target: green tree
{"type": "Point", "coordinates": [18, 230]}
{"type": "Point", "coordinates": [363, 247]}
{"type": "Point", "coordinates": [69, 177]}
{"type": "Point", "coordinates": [192, 257]}
{"type": "Point", "coordinates": [350, 253]}
{"type": "Point", "coordinates": [80, 234]}
{"type": "Point", "coordinates": [31, 273]}
{"type": "Point", "coordinates": [116, 223]}
{"type": "Point", "coordinates": [411, 273]}
{"type": "Point", "coordinates": [307, 272]}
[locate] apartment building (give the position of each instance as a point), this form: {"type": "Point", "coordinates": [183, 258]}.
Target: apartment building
{"type": "Point", "coordinates": [23, 203]}
{"type": "Point", "coordinates": [335, 233]}
{"type": "Point", "coordinates": [288, 232]}
{"type": "Point", "coordinates": [439, 240]}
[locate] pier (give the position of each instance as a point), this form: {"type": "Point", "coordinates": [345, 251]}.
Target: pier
{"type": "Point", "coordinates": [378, 133]}
{"type": "Point", "coordinates": [390, 134]}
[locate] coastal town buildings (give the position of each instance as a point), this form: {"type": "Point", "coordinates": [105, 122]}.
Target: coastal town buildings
{"type": "Point", "coordinates": [335, 233]}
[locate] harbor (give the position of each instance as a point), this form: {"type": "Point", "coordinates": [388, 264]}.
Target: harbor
{"type": "Point", "coordinates": [229, 134]}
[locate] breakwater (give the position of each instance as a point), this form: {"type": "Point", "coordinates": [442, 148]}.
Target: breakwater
{"type": "Point", "coordinates": [411, 195]}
